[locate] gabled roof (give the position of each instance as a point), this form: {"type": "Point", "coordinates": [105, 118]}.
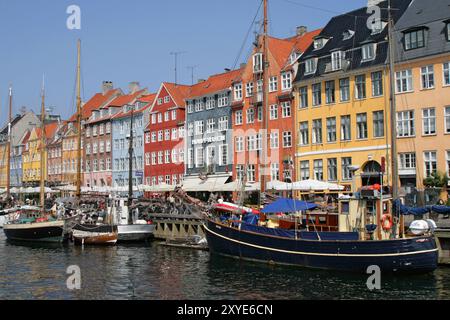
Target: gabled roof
{"type": "Point", "coordinates": [302, 43]}
{"type": "Point", "coordinates": [215, 83]}
{"type": "Point", "coordinates": [148, 100]}
{"type": "Point", "coordinates": [178, 92]}
{"type": "Point", "coordinates": [49, 129]}
{"type": "Point", "coordinates": [95, 102]}
{"type": "Point", "coordinates": [127, 99]}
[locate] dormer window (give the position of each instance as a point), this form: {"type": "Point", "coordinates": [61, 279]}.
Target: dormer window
{"type": "Point", "coordinates": [447, 30]}
{"type": "Point", "coordinates": [368, 51]}
{"type": "Point", "coordinates": [294, 56]}
{"type": "Point", "coordinates": [257, 63]}
{"type": "Point", "coordinates": [310, 66]}
{"type": "Point", "coordinates": [319, 43]}
{"type": "Point", "coordinates": [336, 60]}
{"type": "Point", "coordinates": [415, 39]}
{"type": "Point", "coordinates": [348, 34]}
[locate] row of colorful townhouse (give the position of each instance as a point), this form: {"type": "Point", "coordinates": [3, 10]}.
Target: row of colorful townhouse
{"type": "Point", "coordinates": [327, 117]}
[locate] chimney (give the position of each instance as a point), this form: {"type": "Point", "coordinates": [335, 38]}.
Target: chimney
{"type": "Point", "coordinates": [133, 87]}
{"type": "Point", "coordinates": [302, 30]}
{"type": "Point", "coordinates": [373, 3]}
{"type": "Point", "coordinates": [107, 86]}
{"type": "Point", "coordinates": [243, 65]}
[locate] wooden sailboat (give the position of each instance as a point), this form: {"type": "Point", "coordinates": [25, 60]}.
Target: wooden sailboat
{"type": "Point", "coordinates": [34, 224]}
{"type": "Point", "coordinates": [82, 233]}
{"type": "Point", "coordinates": [338, 250]}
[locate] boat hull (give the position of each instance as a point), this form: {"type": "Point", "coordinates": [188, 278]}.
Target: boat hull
{"type": "Point", "coordinates": [135, 232]}
{"type": "Point", "coordinates": [418, 255]}
{"type": "Point", "coordinates": [94, 238]}
{"type": "Point", "coordinates": [35, 232]}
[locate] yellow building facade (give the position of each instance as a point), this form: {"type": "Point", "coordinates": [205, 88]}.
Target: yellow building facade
{"type": "Point", "coordinates": [3, 165]}
{"type": "Point", "coordinates": [70, 155]}
{"type": "Point", "coordinates": [343, 132]}
{"type": "Point", "coordinates": [31, 159]}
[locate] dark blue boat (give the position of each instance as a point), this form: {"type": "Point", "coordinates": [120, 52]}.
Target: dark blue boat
{"type": "Point", "coordinates": [333, 251]}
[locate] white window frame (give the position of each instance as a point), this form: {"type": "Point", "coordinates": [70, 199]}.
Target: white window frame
{"type": "Point", "coordinates": [429, 120]}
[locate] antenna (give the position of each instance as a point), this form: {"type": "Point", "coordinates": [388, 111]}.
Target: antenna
{"type": "Point", "coordinates": [176, 54]}
{"type": "Point", "coordinates": [192, 68]}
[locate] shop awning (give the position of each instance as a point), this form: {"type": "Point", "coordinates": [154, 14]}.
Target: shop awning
{"type": "Point", "coordinates": [212, 183]}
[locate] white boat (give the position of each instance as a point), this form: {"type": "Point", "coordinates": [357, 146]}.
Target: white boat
{"type": "Point", "coordinates": [137, 231]}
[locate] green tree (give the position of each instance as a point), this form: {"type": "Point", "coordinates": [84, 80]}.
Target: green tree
{"type": "Point", "coordinates": [436, 180]}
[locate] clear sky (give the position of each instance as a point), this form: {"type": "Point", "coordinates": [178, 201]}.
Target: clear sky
{"type": "Point", "coordinates": [131, 40]}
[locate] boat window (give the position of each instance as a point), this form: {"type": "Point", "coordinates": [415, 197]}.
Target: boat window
{"type": "Point", "coordinates": [345, 207]}
{"type": "Point", "coordinates": [371, 208]}
{"type": "Point", "coordinates": [323, 220]}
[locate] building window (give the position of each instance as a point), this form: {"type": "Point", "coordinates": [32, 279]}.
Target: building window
{"type": "Point", "coordinates": [304, 170]}
{"type": "Point", "coordinates": [317, 131]}
{"type": "Point", "coordinates": [368, 51]}
{"type": "Point", "coordinates": [287, 139]}
{"type": "Point", "coordinates": [199, 105]}
{"type": "Point", "coordinates": [191, 158]}
{"type": "Point", "coordinates": [210, 103]}
{"type": "Point", "coordinates": [286, 81]}
{"type": "Point", "coordinates": [415, 39]}
{"type": "Point", "coordinates": [238, 118]}
{"type": "Point", "coordinates": [238, 92]}
{"type": "Point", "coordinates": [427, 75]}
{"type": "Point", "coordinates": [304, 133]}
{"type": "Point", "coordinates": [199, 127]}
{"type": "Point", "coordinates": [223, 100]}
{"type": "Point", "coordinates": [378, 124]}
{"type": "Point", "coordinates": [223, 123]}
{"type": "Point", "coordinates": [360, 87]}
{"type": "Point", "coordinates": [407, 160]}
{"type": "Point", "coordinates": [257, 62]}
{"type": "Point", "coordinates": [250, 115]}
{"type": "Point", "coordinates": [249, 89]}
{"type": "Point", "coordinates": [160, 157]}
{"type": "Point", "coordinates": [275, 171]}
{"type": "Point", "coordinates": [190, 129]}
{"type": "Point", "coordinates": [273, 84]}
{"type": "Point", "coordinates": [404, 81]}
{"type": "Point", "coordinates": [448, 163]}
{"type": "Point", "coordinates": [174, 134]}
{"type": "Point", "coordinates": [446, 71]}
{"type": "Point", "coordinates": [239, 144]}
{"type": "Point", "coordinates": [430, 162]}
{"type": "Point", "coordinates": [210, 125]}
{"type": "Point", "coordinates": [223, 155]}
{"type": "Point", "coordinates": [318, 170]}
{"type": "Point", "coordinates": [332, 169]}
{"type": "Point", "coordinates": [240, 172]}
{"type": "Point", "coordinates": [274, 112]}
{"type": "Point", "coordinates": [310, 66]}
{"type": "Point", "coordinates": [210, 155]}
{"type": "Point", "coordinates": [274, 140]}
{"type": "Point", "coordinates": [331, 129]}
{"type": "Point", "coordinates": [429, 121]}
{"type": "Point", "coordinates": [251, 173]}
{"type": "Point", "coordinates": [361, 126]}
{"type": "Point", "coordinates": [405, 124]}
{"type": "Point", "coordinates": [260, 113]}
{"type": "Point", "coordinates": [303, 97]}
{"type": "Point", "coordinates": [346, 129]}
{"type": "Point", "coordinates": [286, 109]}
{"type": "Point", "coordinates": [330, 92]}
{"type": "Point", "coordinates": [336, 60]}
{"type": "Point", "coordinates": [199, 158]}
{"type": "Point", "coordinates": [175, 156]}
{"type": "Point", "coordinates": [190, 109]}
{"type": "Point", "coordinates": [317, 94]}
{"type": "Point", "coordinates": [160, 118]}
{"type": "Point", "coordinates": [447, 119]}
{"type": "Point", "coordinates": [344, 89]}
{"type": "Point", "coordinates": [347, 174]}
{"type": "Point", "coordinates": [167, 135]}
{"type": "Point", "coordinates": [377, 84]}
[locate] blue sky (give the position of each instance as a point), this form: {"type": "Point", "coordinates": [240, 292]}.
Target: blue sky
{"type": "Point", "coordinates": [124, 41]}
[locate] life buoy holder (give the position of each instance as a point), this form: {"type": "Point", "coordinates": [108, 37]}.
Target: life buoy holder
{"type": "Point", "coordinates": [386, 222]}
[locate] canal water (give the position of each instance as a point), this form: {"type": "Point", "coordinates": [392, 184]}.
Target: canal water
{"type": "Point", "coordinates": [156, 272]}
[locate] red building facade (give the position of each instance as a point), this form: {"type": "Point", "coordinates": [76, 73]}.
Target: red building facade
{"type": "Point", "coordinates": [250, 113]}
{"type": "Point", "coordinates": [164, 137]}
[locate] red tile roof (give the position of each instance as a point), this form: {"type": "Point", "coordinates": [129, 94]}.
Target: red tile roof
{"type": "Point", "coordinates": [301, 43]}
{"type": "Point", "coordinates": [127, 99]}
{"type": "Point", "coordinates": [149, 98]}
{"type": "Point", "coordinates": [214, 83]}
{"type": "Point", "coordinates": [49, 129]}
{"type": "Point", "coordinates": [178, 92]}
{"type": "Point", "coordinates": [94, 103]}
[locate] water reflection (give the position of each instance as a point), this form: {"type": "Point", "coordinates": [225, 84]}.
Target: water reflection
{"type": "Point", "coordinates": [151, 271]}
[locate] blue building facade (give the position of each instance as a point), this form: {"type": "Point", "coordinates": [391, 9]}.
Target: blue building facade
{"type": "Point", "coordinates": [121, 124]}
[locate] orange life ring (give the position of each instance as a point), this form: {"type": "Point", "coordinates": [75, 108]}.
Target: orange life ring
{"type": "Point", "coordinates": [386, 222]}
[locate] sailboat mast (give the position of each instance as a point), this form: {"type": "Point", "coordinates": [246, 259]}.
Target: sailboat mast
{"type": "Point", "coordinates": [130, 161]}
{"type": "Point", "coordinates": [78, 187]}
{"type": "Point", "coordinates": [394, 160]}
{"type": "Point", "coordinates": [265, 103]}
{"type": "Point", "coordinates": [42, 150]}
{"type": "Point", "coordinates": [8, 147]}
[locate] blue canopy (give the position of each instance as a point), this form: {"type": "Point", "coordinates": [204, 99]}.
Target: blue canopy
{"type": "Point", "coordinates": [284, 205]}
{"type": "Point", "coordinates": [404, 210]}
